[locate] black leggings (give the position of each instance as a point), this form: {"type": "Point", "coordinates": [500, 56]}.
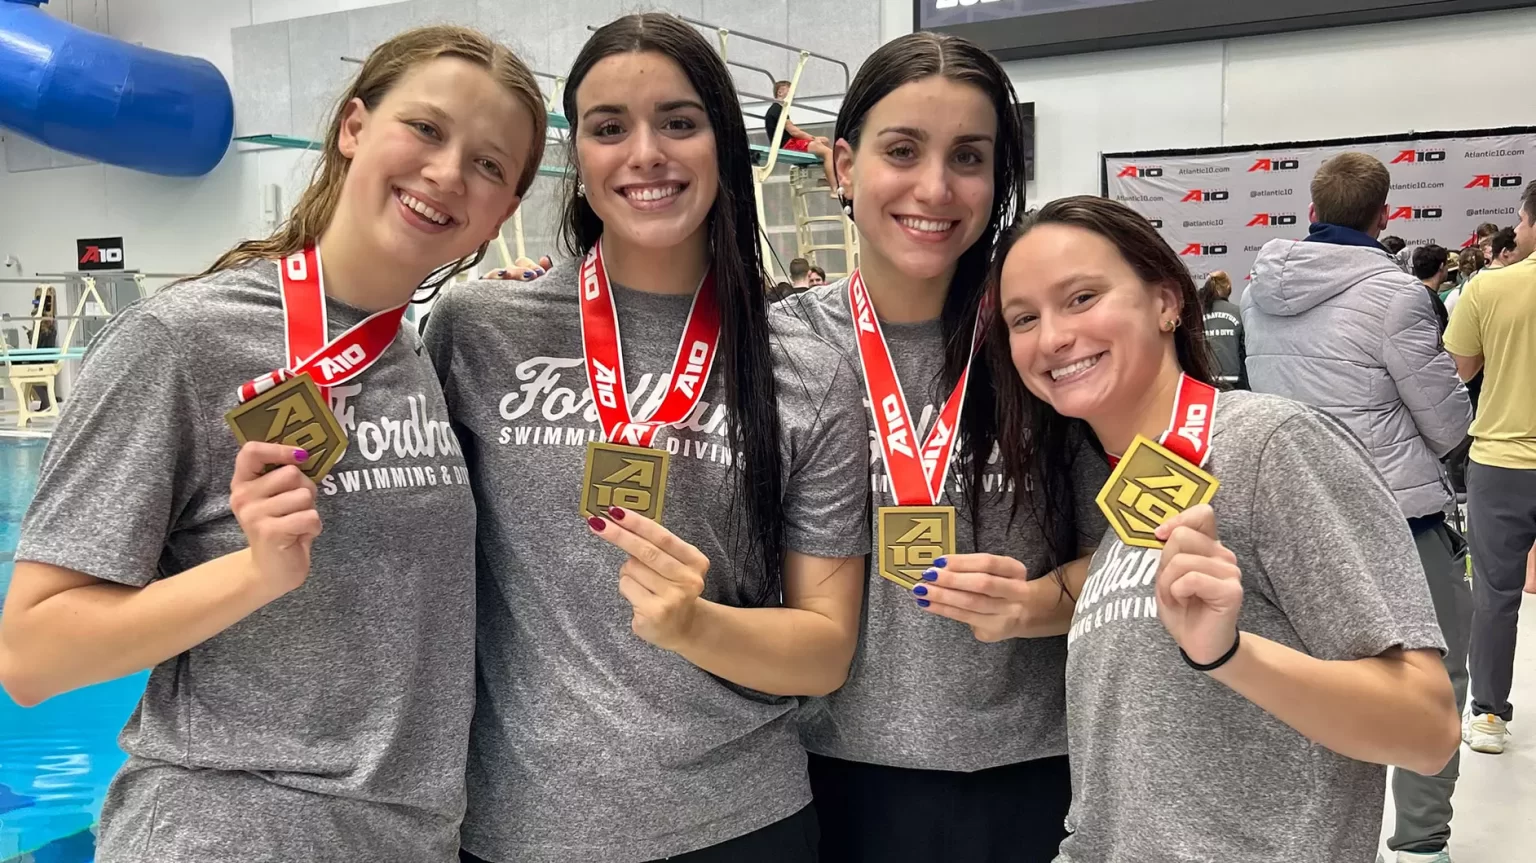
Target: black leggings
{"type": "Point", "coordinates": [792, 840]}
{"type": "Point", "coordinates": [874, 814]}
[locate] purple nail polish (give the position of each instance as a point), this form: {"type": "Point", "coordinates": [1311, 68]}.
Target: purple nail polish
{"type": "Point", "coordinates": [528, 274]}
{"type": "Point", "coordinates": [300, 456]}
{"type": "Point", "coordinates": [597, 524]}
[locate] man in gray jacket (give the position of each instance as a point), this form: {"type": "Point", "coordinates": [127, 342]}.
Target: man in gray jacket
{"type": "Point", "coordinates": [1334, 322]}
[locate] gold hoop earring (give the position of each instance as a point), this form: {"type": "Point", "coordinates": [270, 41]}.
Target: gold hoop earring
{"type": "Point", "coordinates": [1170, 326]}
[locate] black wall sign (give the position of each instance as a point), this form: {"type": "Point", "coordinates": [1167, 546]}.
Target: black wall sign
{"type": "Point", "coordinates": [102, 253]}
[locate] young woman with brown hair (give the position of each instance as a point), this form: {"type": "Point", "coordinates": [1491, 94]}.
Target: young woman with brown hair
{"type": "Point", "coordinates": [310, 696]}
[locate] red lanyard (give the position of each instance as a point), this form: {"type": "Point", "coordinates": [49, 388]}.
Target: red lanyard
{"type": "Point", "coordinates": [917, 474]}
{"type": "Point", "coordinates": [306, 327]}
{"type": "Point", "coordinates": [604, 355]}
{"type": "Point", "coordinates": [1189, 427]}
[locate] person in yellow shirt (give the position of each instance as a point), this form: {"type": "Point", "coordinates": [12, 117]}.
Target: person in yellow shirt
{"type": "Point", "coordinates": [1493, 330]}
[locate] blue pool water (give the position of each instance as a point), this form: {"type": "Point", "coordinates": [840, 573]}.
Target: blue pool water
{"type": "Point", "coordinates": [56, 759]}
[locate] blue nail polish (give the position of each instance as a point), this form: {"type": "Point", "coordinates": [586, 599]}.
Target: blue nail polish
{"type": "Point", "coordinates": [939, 564]}
{"type": "Point", "coordinates": [920, 590]}
{"type": "Point", "coordinates": [528, 274]}
{"type": "Point", "coordinates": [923, 603]}
{"type": "Point", "coordinates": [931, 575]}
{"type": "Point", "coordinates": [540, 271]}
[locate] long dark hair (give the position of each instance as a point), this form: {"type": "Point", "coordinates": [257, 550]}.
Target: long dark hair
{"type": "Point", "coordinates": [913, 58]}
{"type": "Point", "coordinates": [745, 359]}
{"type": "Point", "coordinates": [1039, 445]}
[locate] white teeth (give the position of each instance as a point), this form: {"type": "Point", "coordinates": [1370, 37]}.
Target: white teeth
{"type": "Point", "coordinates": [1080, 365]}
{"type": "Point", "coordinates": [927, 225]}
{"type": "Point", "coordinates": [652, 193]}
{"type": "Point", "coordinates": [423, 210]}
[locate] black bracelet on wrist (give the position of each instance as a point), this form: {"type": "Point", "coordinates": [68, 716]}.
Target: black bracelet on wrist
{"type": "Point", "coordinates": [1237, 639]}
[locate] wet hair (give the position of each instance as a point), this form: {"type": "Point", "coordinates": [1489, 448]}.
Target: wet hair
{"type": "Point", "coordinates": [1040, 446]}
{"type": "Point", "coordinates": [1503, 241]}
{"type": "Point", "coordinates": [915, 57]}
{"type": "Point", "coordinates": [1217, 287]}
{"type": "Point", "coordinates": [1350, 189]}
{"type": "Point", "coordinates": [1393, 245]}
{"type": "Point", "coordinates": [383, 69]}
{"type": "Point", "coordinates": [1427, 260]}
{"type": "Point", "coordinates": [744, 358]}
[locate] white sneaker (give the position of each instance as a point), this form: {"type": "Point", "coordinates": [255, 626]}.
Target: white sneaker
{"type": "Point", "coordinates": [1411, 857]}
{"type": "Point", "coordinates": [1486, 733]}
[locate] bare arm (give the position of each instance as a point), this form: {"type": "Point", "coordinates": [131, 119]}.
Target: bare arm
{"type": "Point", "coordinates": [64, 629]}
{"type": "Point", "coordinates": [796, 132]}
{"type": "Point", "coordinates": [803, 648]}
{"type": "Point", "coordinates": [1396, 708]}
{"type": "Point", "coordinates": [1468, 367]}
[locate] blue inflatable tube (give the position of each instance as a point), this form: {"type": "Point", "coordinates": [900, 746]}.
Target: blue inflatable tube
{"type": "Point", "coordinates": [106, 100]}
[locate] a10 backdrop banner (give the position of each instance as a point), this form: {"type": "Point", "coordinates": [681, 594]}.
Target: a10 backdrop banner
{"type": "Point", "coordinates": [1218, 207]}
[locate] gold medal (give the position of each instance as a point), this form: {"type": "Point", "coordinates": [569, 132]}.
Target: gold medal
{"type": "Point", "coordinates": [1148, 487]}
{"type": "Point", "coordinates": [293, 413]}
{"type": "Point", "coordinates": [912, 538]}
{"type": "Point", "coordinates": [631, 477]}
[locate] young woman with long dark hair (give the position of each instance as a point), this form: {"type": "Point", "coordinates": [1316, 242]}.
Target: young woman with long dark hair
{"type": "Point", "coordinates": [1235, 694]}
{"type": "Point", "coordinates": [638, 683]}
{"type": "Point", "coordinates": [948, 741]}
{"type": "Point", "coordinates": [310, 695]}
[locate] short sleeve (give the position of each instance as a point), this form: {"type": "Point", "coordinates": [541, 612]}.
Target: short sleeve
{"type": "Point", "coordinates": [1335, 547]}
{"type": "Point", "coordinates": [439, 341]}
{"type": "Point", "coordinates": [125, 460]}
{"type": "Point", "coordinates": [826, 493]}
{"type": "Point", "coordinates": [1464, 333]}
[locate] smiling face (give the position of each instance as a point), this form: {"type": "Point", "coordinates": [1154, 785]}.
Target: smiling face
{"type": "Point", "coordinates": [646, 151]}
{"type": "Point", "coordinates": [434, 166]}
{"type": "Point", "coordinates": [922, 178]}
{"type": "Point", "coordinates": [1084, 330]}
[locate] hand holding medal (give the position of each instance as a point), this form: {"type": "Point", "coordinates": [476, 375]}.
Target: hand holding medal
{"type": "Point", "coordinates": [1199, 586]}
{"type": "Point", "coordinates": [663, 579]}
{"type": "Point", "coordinates": [276, 510]}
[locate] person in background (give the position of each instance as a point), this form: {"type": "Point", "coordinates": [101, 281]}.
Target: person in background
{"type": "Point", "coordinates": [780, 291]}
{"type": "Point", "coordinates": [1333, 323]}
{"type": "Point", "coordinates": [1430, 268]}
{"type": "Point", "coordinates": [799, 274]}
{"type": "Point", "coordinates": [1224, 331]}
{"type": "Point", "coordinates": [1232, 696]}
{"type": "Point", "coordinates": [817, 278]}
{"type": "Point", "coordinates": [310, 693]}
{"type": "Point", "coordinates": [1491, 332]}
{"type": "Point", "coordinates": [1469, 262]}
{"type": "Point", "coordinates": [44, 335]}
{"type": "Point", "coordinates": [1504, 249]}
{"type": "Point", "coordinates": [1483, 235]}
{"type": "Point", "coordinates": [796, 139]}
{"type": "Point", "coordinates": [1397, 247]}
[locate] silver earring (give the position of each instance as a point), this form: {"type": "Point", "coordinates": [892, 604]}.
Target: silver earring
{"type": "Point", "coordinates": [581, 189]}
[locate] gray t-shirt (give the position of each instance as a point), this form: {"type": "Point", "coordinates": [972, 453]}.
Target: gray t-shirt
{"type": "Point", "coordinates": [335, 718]}
{"type": "Point", "coordinates": [1171, 766]}
{"type": "Point", "coordinates": [588, 743]}
{"type": "Point", "coordinates": [923, 692]}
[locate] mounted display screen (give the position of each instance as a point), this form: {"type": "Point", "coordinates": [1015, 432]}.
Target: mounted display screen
{"type": "Point", "coordinates": [1015, 29]}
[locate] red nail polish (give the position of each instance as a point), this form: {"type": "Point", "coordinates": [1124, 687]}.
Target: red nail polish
{"type": "Point", "coordinates": [618, 514]}
{"type": "Point", "coordinates": [300, 456]}
{"type": "Point", "coordinates": [597, 524]}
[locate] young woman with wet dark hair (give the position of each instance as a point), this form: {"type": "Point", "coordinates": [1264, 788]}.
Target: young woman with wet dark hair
{"type": "Point", "coordinates": [1234, 694]}
{"type": "Point", "coordinates": [948, 742]}
{"type": "Point", "coordinates": [639, 683]}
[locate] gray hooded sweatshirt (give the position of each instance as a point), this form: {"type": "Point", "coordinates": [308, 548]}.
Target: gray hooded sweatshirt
{"type": "Point", "coordinates": [1344, 329]}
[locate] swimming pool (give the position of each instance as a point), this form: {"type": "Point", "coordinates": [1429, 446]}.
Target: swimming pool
{"type": "Point", "coordinates": [56, 759]}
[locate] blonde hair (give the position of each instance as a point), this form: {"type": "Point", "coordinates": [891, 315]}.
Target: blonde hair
{"type": "Point", "coordinates": [380, 73]}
